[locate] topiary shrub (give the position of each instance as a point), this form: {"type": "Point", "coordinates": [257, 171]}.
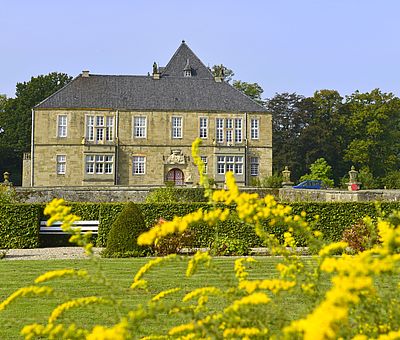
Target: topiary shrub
{"type": "Point", "coordinates": [122, 239]}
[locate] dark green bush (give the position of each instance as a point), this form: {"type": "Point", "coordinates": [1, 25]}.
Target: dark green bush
{"type": "Point", "coordinates": [19, 225]}
{"type": "Point", "coordinates": [171, 194]}
{"type": "Point", "coordinates": [122, 239]}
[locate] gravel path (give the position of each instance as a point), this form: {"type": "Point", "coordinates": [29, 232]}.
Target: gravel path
{"type": "Point", "coordinates": [58, 253]}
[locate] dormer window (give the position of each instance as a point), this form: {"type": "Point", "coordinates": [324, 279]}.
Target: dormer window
{"type": "Point", "coordinates": [187, 71]}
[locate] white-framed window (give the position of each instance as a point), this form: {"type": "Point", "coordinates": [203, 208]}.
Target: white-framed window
{"type": "Point", "coordinates": [99, 128]}
{"type": "Point", "coordinates": [62, 122]}
{"type": "Point", "coordinates": [204, 159]}
{"type": "Point", "coordinates": [220, 130]}
{"type": "Point", "coordinates": [176, 127]}
{"type": "Point", "coordinates": [238, 130]}
{"type": "Point", "coordinates": [203, 127]}
{"type": "Point", "coordinates": [109, 128]}
{"type": "Point", "coordinates": [139, 127]}
{"type": "Point", "coordinates": [99, 164]}
{"type": "Point", "coordinates": [254, 166]}
{"type": "Point", "coordinates": [229, 130]}
{"type": "Point", "coordinates": [61, 164]}
{"type": "Point", "coordinates": [230, 163]}
{"type": "Point", "coordinates": [254, 128]}
{"type": "Point", "coordinates": [138, 165]}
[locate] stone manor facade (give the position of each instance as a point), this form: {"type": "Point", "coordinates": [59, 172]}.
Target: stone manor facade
{"type": "Point", "coordinates": [108, 130]}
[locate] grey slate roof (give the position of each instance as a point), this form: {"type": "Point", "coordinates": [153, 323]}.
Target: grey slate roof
{"type": "Point", "coordinates": [172, 92]}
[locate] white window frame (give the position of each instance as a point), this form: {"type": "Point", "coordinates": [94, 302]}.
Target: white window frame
{"type": "Point", "coordinates": [99, 128]}
{"type": "Point", "coordinates": [99, 164]}
{"type": "Point", "coordinates": [140, 127]}
{"type": "Point", "coordinates": [205, 161]}
{"type": "Point", "coordinates": [203, 127]}
{"type": "Point", "coordinates": [62, 126]}
{"type": "Point", "coordinates": [176, 124]}
{"type": "Point", "coordinates": [238, 130]}
{"type": "Point", "coordinates": [138, 165]}
{"type": "Point", "coordinates": [254, 166]}
{"type": "Point", "coordinates": [61, 167]}
{"type": "Point", "coordinates": [219, 133]}
{"type": "Point", "coordinates": [230, 163]}
{"type": "Point", "coordinates": [254, 128]}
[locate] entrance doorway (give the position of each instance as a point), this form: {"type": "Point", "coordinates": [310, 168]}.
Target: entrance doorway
{"type": "Point", "coordinates": [176, 176]}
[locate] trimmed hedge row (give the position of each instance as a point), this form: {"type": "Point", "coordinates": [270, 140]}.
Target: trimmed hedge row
{"type": "Point", "coordinates": [19, 223]}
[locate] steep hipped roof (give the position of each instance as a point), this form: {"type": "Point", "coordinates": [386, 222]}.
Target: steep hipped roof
{"type": "Point", "coordinates": [172, 92]}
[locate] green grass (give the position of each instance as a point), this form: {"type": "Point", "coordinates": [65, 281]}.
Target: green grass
{"type": "Point", "coordinates": [120, 273]}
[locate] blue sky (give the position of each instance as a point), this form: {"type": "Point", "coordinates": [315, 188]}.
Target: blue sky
{"type": "Point", "coordinates": [285, 46]}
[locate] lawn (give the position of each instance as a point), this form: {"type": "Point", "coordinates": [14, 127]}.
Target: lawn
{"type": "Point", "coordinates": [119, 273]}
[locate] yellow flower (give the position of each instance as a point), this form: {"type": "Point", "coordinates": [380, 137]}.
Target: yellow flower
{"type": "Point", "coordinates": [201, 291]}
{"type": "Point", "coordinates": [199, 257]}
{"type": "Point", "coordinates": [31, 290]}
{"type": "Point", "coordinates": [240, 269]}
{"type": "Point", "coordinates": [253, 299]}
{"type": "Point", "coordinates": [145, 268]}
{"type": "Point", "coordinates": [164, 293]}
{"type": "Point", "coordinates": [117, 332]}
{"type": "Point", "coordinates": [181, 328]}
{"type": "Point", "coordinates": [60, 273]}
{"type": "Point", "coordinates": [84, 301]}
{"type": "Point", "coordinates": [273, 285]}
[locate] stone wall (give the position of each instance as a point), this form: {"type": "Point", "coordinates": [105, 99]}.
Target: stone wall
{"type": "Point", "coordinates": [99, 194]}
{"type": "Point", "coordinates": [304, 195]}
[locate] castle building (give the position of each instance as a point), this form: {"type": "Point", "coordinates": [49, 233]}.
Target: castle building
{"type": "Point", "coordinates": [107, 130]}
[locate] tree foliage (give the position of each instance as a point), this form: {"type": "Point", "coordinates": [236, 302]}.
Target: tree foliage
{"type": "Point", "coordinates": [16, 119]}
{"type": "Point", "coordinates": [321, 170]}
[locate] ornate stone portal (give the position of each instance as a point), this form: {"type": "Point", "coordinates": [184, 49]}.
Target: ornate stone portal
{"type": "Point", "coordinates": [177, 168]}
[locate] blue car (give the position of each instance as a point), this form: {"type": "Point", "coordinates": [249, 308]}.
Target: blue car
{"type": "Point", "coordinates": [309, 184]}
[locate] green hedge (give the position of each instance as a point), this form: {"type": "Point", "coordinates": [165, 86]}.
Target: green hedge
{"type": "Point", "coordinates": [19, 225]}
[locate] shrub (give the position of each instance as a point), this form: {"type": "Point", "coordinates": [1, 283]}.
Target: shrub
{"type": "Point", "coordinates": [225, 246]}
{"type": "Point", "coordinates": [358, 237]}
{"type": "Point", "coordinates": [7, 194]}
{"type": "Point", "coordinates": [367, 179]}
{"type": "Point", "coordinates": [321, 170]}
{"type": "Point", "coordinates": [122, 239]}
{"type": "Point", "coordinates": [173, 194]}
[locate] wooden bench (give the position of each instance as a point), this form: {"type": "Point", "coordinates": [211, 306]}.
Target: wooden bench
{"type": "Point", "coordinates": [55, 229]}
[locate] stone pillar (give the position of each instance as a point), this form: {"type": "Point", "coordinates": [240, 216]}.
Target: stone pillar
{"type": "Point", "coordinates": [353, 184]}
{"type": "Point", "coordinates": [286, 177]}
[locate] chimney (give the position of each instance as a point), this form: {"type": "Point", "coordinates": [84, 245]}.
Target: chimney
{"type": "Point", "coordinates": [85, 74]}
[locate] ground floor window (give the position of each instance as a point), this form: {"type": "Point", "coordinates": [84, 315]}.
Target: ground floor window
{"type": "Point", "coordinates": [204, 159]}
{"type": "Point", "coordinates": [61, 164]}
{"type": "Point", "coordinates": [175, 176]}
{"type": "Point", "coordinates": [230, 163]}
{"type": "Point", "coordinates": [99, 164]}
{"type": "Point", "coordinates": [138, 165]}
{"type": "Point", "coordinates": [254, 166]}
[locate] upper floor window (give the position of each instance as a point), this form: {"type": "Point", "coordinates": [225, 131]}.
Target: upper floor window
{"type": "Point", "coordinates": [99, 128]}
{"type": "Point", "coordinates": [62, 125]}
{"type": "Point", "coordinates": [138, 165]}
{"type": "Point", "coordinates": [203, 127]}
{"type": "Point", "coordinates": [220, 130]}
{"type": "Point", "coordinates": [61, 164]}
{"type": "Point", "coordinates": [254, 166]}
{"type": "Point", "coordinates": [238, 130]}
{"type": "Point", "coordinates": [99, 164]}
{"type": "Point", "coordinates": [139, 127]}
{"type": "Point", "coordinates": [187, 73]}
{"type": "Point", "coordinates": [255, 128]}
{"type": "Point", "coordinates": [229, 130]}
{"type": "Point", "coordinates": [176, 127]}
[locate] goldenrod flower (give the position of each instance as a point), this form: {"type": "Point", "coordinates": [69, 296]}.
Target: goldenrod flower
{"type": "Point", "coordinates": [60, 273]}
{"type": "Point", "coordinates": [30, 290]}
